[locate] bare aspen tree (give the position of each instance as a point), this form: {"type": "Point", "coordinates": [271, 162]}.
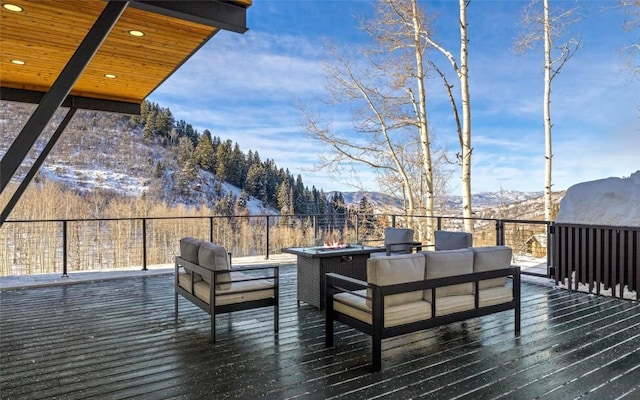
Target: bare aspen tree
{"type": "Point", "coordinates": [461, 68]}
{"type": "Point", "coordinates": [545, 27]}
{"type": "Point", "coordinates": [632, 22]}
{"type": "Point", "coordinates": [388, 95]}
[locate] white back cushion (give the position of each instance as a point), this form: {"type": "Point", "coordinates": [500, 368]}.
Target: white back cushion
{"type": "Point", "coordinates": [490, 258]}
{"type": "Point", "coordinates": [390, 270]}
{"type": "Point", "coordinates": [215, 258]}
{"type": "Point", "coordinates": [445, 263]}
{"type": "Point", "coordinates": [189, 249]}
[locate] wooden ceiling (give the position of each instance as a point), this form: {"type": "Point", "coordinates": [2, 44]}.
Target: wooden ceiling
{"type": "Point", "coordinates": [46, 34]}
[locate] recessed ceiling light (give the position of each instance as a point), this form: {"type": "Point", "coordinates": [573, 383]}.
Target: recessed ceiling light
{"type": "Point", "coordinates": [136, 33]}
{"type": "Point", "coordinates": [12, 7]}
{"type": "Point", "coordinates": [110, 76]}
{"type": "Point", "coordinates": [18, 62]}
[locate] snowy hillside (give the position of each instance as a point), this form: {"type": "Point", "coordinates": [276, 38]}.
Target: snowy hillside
{"type": "Point", "coordinates": [453, 204]}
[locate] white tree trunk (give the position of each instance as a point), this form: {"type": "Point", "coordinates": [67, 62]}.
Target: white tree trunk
{"type": "Point", "coordinates": [423, 126]}
{"type": "Point", "coordinates": [466, 121]}
{"type": "Point", "coordinates": [548, 154]}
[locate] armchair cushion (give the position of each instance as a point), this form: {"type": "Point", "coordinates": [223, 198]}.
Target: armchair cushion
{"type": "Point", "coordinates": [399, 239]}
{"type": "Point", "coordinates": [189, 251]}
{"type": "Point", "coordinates": [215, 258]}
{"type": "Point", "coordinates": [447, 240]}
{"type": "Point", "coordinates": [242, 288]}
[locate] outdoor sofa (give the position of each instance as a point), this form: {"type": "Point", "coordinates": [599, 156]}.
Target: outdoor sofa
{"type": "Point", "coordinates": [203, 272]}
{"type": "Point", "coordinates": [413, 292]}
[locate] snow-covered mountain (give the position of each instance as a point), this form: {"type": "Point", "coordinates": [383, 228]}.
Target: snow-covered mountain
{"type": "Point", "coordinates": [452, 203]}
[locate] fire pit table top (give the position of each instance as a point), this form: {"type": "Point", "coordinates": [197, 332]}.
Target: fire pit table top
{"type": "Point", "coordinates": [332, 251]}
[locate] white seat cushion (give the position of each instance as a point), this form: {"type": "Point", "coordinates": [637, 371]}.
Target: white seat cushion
{"type": "Point", "coordinates": [390, 270]}
{"type": "Point", "coordinates": [356, 307]}
{"type": "Point", "coordinates": [451, 304]}
{"type": "Point", "coordinates": [237, 292]}
{"type": "Point", "coordinates": [184, 281]}
{"type": "Point", "coordinates": [495, 295]}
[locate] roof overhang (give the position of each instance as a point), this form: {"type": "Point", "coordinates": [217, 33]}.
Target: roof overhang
{"type": "Point", "coordinates": [125, 69]}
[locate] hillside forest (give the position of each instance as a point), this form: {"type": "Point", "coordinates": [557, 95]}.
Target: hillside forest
{"type": "Point", "coordinates": [163, 162]}
{"type": "Point", "coordinates": [149, 166]}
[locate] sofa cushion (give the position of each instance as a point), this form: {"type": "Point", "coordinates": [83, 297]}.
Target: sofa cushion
{"type": "Point", "coordinates": [215, 258]}
{"type": "Point", "coordinates": [447, 240]}
{"type": "Point", "coordinates": [440, 264]}
{"type": "Point", "coordinates": [189, 249]}
{"type": "Point", "coordinates": [452, 304]}
{"type": "Point", "coordinates": [356, 307]}
{"type": "Point", "coordinates": [390, 270]}
{"type": "Point", "coordinates": [495, 295]}
{"type": "Point", "coordinates": [490, 258]}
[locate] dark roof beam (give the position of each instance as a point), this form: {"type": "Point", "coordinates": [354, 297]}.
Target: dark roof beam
{"type": "Point", "coordinates": [219, 14]}
{"type": "Point", "coordinates": [71, 101]}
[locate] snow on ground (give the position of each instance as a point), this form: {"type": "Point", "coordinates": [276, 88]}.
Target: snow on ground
{"type": "Point", "coordinates": [87, 179]}
{"type": "Point", "coordinates": [254, 205]}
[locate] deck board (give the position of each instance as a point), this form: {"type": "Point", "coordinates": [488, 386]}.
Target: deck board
{"type": "Point", "coordinates": [117, 339]}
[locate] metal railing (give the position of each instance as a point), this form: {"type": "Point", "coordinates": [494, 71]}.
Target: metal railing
{"type": "Point", "coordinates": [598, 258]}
{"type": "Point", "coordinates": [66, 245]}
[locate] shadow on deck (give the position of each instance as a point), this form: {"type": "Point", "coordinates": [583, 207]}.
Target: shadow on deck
{"type": "Point", "coordinates": [117, 339]}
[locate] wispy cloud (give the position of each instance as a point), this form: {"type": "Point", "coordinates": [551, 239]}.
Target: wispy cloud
{"type": "Point", "coordinates": [246, 88]}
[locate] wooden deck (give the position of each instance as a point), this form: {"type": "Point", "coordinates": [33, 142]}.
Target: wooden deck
{"type": "Point", "coordinates": [117, 339]}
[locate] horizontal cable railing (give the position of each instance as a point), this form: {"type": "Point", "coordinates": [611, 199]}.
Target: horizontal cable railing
{"type": "Point", "coordinates": [68, 245]}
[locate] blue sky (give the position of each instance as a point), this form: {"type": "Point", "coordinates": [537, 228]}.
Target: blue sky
{"type": "Point", "coordinates": [246, 88]}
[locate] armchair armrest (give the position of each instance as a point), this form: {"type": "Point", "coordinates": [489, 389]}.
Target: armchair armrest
{"type": "Point", "coordinates": [417, 246]}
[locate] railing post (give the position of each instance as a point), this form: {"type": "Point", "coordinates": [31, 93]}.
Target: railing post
{"type": "Point", "coordinates": [315, 228]}
{"type": "Point", "coordinates": [393, 221]}
{"type": "Point", "coordinates": [357, 227]}
{"type": "Point", "coordinates": [144, 244]}
{"type": "Point", "coordinates": [499, 232]}
{"type": "Point", "coordinates": [211, 229]}
{"type": "Point", "coordinates": [64, 249]}
{"type": "Point", "coordinates": [267, 252]}
{"type": "Point", "coordinates": [550, 249]}
{"type": "Point", "coordinates": [439, 223]}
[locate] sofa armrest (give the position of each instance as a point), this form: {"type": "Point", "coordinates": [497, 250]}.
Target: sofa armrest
{"type": "Point", "coordinates": [332, 277]}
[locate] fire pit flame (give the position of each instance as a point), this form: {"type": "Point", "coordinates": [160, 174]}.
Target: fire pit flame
{"type": "Point", "coordinates": [335, 245]}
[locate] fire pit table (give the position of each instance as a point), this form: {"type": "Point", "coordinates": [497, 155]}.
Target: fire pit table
{"type": "Point", "coordinates": [315, 262]}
